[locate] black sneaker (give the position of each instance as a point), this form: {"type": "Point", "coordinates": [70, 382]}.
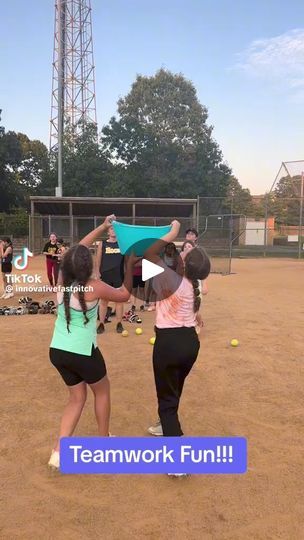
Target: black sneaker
{"type": "Point", "coordinates": [133, 308]}
{"type": "Point", "coordinates": [142, 308]}
{"type": "Point", "coordinates": [100, 329]}
{"type": "Point", "coordinates": [119, 328]}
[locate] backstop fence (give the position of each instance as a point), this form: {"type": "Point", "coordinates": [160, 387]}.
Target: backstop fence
{"type": "Point", "coordinates": [268, 226]}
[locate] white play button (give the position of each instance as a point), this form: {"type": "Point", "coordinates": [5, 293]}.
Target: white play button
{"type": "Point", "coordinates": [150, 270]}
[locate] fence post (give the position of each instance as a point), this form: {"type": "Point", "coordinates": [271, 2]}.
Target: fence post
{"type": "Point", "coordinates": [30, 235]}
{"type": "Point", "coordinates": [71, 224]}
{"type": "Point", "coordinates": [265, 226]}
{"type": "Point", "coordinates": [197, 214]}
{"type": "Point", "coordinates": [230, 235]}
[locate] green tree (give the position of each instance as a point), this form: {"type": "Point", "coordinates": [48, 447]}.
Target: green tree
{"type": "Point", "coordinates": [162, 142]}
{"type": "Point", "coordinates": [10, 159]}
{"type": "Point", "coordinates": [262, 206]}
{"type": "Point", "coordinates": [23, 165]}
{"type": "Point", "coordinates": [238, 199]}
{"type": "Point", "coordinates": [86, 169]}
{"type": "Point", "coordinates": [285, 202]}
{"type": "Point", "coordinates": [34, 163]}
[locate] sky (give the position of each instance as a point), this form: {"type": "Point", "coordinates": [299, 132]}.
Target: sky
{"type": "Point", "coordinates": [245, 58]}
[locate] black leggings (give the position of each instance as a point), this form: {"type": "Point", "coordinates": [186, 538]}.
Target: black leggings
{"type": "Point", "coordinates": [174, 354]}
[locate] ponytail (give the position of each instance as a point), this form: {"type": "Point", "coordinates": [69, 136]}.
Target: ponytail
{"type": "Point", "coordinates": [197, 267]}
{"type": "Point", "coordinates": [66, 300]}
{"type": "Point", "coordinates": [76, 268]}
{"type": "Point", "coordinates": [82, 302]}
{"type": "Point", "coordinates": [197, 295]}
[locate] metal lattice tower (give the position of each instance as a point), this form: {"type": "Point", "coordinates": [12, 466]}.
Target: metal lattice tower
{"type": "Point", "coordinates": [73, 91]}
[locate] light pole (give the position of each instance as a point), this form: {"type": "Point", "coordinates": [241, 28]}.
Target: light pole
{"type": "Point", "coordinates": [60, 96]}
{"type": "Point", "coordinates": [73, 89]}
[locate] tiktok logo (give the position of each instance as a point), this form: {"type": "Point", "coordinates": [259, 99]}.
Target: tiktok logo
{"type": "Point", "coordinates": [21, 261]}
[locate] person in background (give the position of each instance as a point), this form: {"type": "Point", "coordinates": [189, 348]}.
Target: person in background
{"type": "Point", "coordinates": [52, 267]}
{"type": "Point", "coordinates": [6, 257]}
{"type": "Point", "coordinates": [150, 298]}
{"type": "Point", "coordinates": [61, 249]}
{"type": "Point", "coordinates": [138, 288]}
{"type": "Point", "coordinates": [186, 247]}
{"type": "Point", "coordinates": [171, 256]}
{"type": "Point", "coordinates": [110, 269]}
{"type": "Point", "coordinates": [192, 235]}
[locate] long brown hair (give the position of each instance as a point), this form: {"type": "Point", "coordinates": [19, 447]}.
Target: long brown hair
{"type": "Point", "coordinates": [76, 269]}
{"type": "Point", "coordinates": [197, 267]}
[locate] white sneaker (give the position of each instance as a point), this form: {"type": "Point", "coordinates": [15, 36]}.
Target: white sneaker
{"type": "Point", "coordinates": [3, 295]}
{"type": "Point", "coordinates": [178, 475]}
{"type": "Point", "coordinates": [156, 430]}
{"type": "Point", "coordinates": [54, 461]}
{"type": "Point", "coordinates": [8, 295]}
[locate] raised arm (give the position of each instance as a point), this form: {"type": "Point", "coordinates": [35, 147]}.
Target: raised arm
{"type": "Point", "coordinates": [152, 253]}
{"type": "Point", "coordinates": [90, 238]}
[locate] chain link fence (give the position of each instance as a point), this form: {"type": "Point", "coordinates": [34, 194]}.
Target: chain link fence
{"type": "Point", "coordinates": [260, 226]}
{"type": "Point", "coordinates": [75, 228]}
{"type": "Point", "coordinates": [268, 226]}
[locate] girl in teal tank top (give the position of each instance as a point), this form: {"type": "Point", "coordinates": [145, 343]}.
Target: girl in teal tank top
{"type": "Point", "coordinates": [73, 350]}
{"type": "Point", "coordinates": [81, 334]}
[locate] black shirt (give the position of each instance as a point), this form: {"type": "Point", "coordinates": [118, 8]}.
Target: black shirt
{"type": "Point", "coordinates": [112, 259]}
{"type": "Point", "coordinates": [51, 249]}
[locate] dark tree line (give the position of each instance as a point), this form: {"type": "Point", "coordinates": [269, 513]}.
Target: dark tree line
{"type": "Point", "coordinates": [159, 145]}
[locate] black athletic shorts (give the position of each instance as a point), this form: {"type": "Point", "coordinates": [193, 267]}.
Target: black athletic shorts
{"type": "Point", "coordinates": [75, 368]}
{"type": "Point", "coordinates": [113, 278]}
{"type": "Point", "coordinates": [138, 282]}
{"type": "Point", "coordinates": [6, 267]}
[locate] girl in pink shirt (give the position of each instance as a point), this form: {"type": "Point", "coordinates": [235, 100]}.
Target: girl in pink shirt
{"type": "Point", "coordinates": [177, 344]}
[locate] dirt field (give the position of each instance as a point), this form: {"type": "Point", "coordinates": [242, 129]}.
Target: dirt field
{"type": "Point", "coordinates": [255, 390]}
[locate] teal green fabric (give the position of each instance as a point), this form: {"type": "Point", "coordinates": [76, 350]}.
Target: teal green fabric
{"type": "Point", "coordinates": [81, 336]}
